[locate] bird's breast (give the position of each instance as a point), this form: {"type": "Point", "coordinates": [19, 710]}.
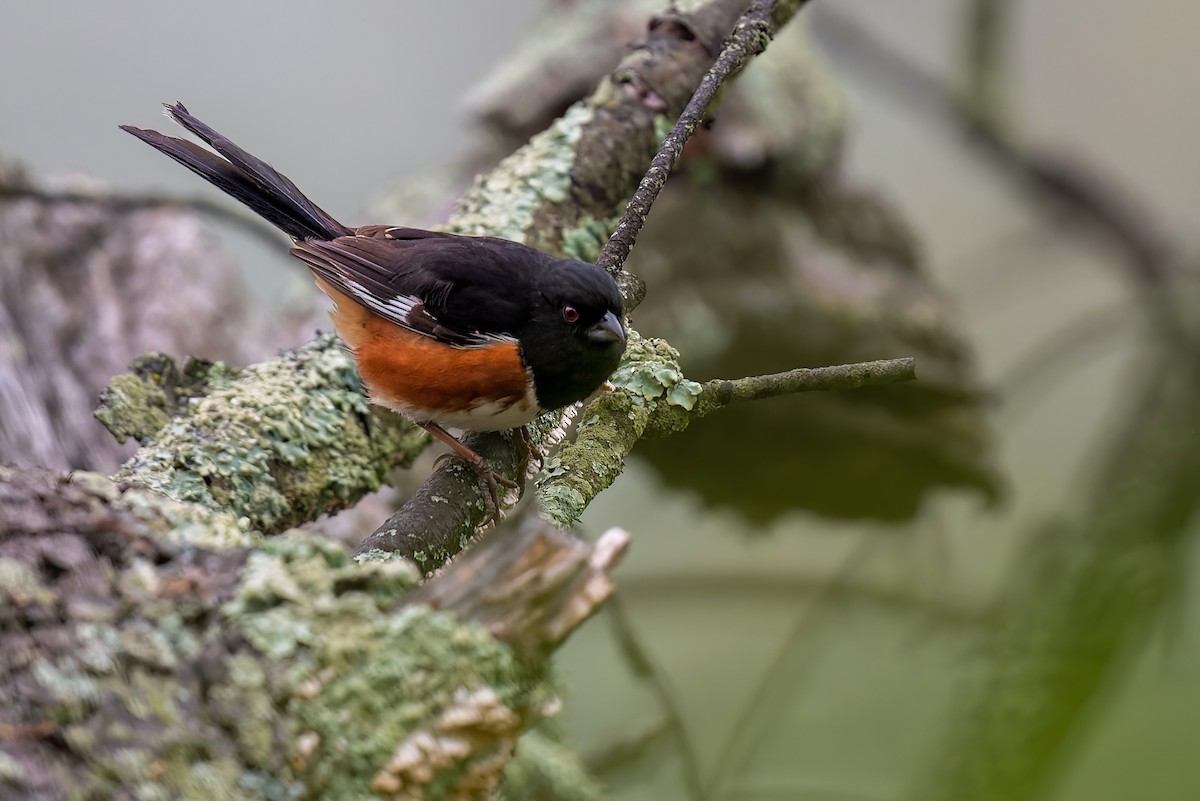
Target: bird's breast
{"type": "Point", "coordinates": [477, 389]}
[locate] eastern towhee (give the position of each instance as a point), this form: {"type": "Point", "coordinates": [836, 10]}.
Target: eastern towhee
{"type": "Point", "coordinates": [474, 333]}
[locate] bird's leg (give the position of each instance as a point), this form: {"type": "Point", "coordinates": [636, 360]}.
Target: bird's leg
{"type": "Point", "coordinates": [527, 449]}
{"type": "Point", "coordinates": [487, 476]}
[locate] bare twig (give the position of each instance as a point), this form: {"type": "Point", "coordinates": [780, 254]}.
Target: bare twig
{"type": "Point", "coordinates": [644, 668]}
{"type": "Point", "coordinates": [616, 421]}
{"type": "Point", "coordinates": [1080, 190]}
{"type": "Point", "coordinates": [719, 393]}
{"type": "Point", "coordinates": [984, 43]}
{"type": "Point", "coordinates": [753, 33]}
{"type": "Point", "coordinates": [129, 202]}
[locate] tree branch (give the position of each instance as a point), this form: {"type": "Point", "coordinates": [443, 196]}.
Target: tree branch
{"type": "Point", "coordinates": [753, 33]}
{"type": "Point", "coordinates": [277, 444]}
{"type": "Point", "coordinates": [559, 193]}
{"type": "Point", "coordinates": [607, 139]}
{"type": "Point", "coordinates": [283, 666]}
{"type": "Point", "coordinates": [130, 202]}
{"type": "Point", "coordinates": [653, 398]}
{"type": "Point", "coordinates": [720, 393]}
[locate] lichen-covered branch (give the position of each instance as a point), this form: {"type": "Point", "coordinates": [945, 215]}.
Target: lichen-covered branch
{"type": "Point", "coordinates": [720, 393]}
{"type": "Point", "coordinates": [265, 668]}
{"type": "Point", "coordinates": [438, 521]}
{"type": "Point", "coordinates": [560, 192]}
{"type": "Point", "coordinates": [276, 444]}
{"type": "Point", "coordinates": [652, 398]}
{"type": "Point", "coordinates": [123, 202]}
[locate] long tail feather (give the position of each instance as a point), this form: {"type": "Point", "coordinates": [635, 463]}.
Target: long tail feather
{"type": "Point", "coordinates": [244, 177]}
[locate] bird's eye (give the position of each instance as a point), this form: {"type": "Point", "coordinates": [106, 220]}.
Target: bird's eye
{"type": "Point", "coordinates": [570, 314]}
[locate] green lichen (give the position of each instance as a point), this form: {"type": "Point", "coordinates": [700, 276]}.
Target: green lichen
{"type": "Point", "coordinates": [419, 659]}
{"type": "Point", "coordinates": [285, 663]}
{"type": "Point", "coordinates": [139, 403]}
{"type": "Point", "coordinates": [612, 424]}
{"type": "Point", "coordinates": [662, 126]}
{"type": "Point", "coordinates": [586, 238]}
{"type": "Point", "coordinates": [133, 408]}
{"type": "Point", "coordinates": [318, 618]}
{"type": "Point", "coordinates": [651, 396]}
{"type": "Point", "coordinates": [283, 442]}
{"type": "Point", "coordinates": [189, 523]}
{"type": "Point", "coordinates": [650, 369]}
{"type": "Point", "coordinates": [505, 201]}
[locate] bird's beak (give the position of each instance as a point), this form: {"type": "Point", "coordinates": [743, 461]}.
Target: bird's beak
{"type": "Point", "coordinates": [608, 331]}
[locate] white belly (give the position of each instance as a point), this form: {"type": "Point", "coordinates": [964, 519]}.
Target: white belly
{"type": "Point", "coordinates": [485, 416]}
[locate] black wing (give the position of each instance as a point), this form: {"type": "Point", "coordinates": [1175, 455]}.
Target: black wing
{"type": "Point", "coordinates": [466, 291]}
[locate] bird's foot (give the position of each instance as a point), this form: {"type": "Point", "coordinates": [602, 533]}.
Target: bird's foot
{"type": "Point", "coordinates": [489, 482]}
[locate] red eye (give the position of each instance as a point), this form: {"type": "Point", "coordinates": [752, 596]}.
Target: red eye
{"type": "Point", "coordinates": [570, 314]}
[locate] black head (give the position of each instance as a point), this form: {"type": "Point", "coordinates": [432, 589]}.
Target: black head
{"type": "Point", "coordinates": [575, 336]}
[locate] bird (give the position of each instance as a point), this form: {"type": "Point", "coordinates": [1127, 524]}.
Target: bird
{"type": "Point", "coordinates": [474, 333]}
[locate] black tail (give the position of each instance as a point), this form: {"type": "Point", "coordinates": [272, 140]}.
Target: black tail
{"type": "Point", "coordinates": [243, 177]}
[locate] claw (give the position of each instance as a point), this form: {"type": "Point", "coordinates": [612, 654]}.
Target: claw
{"type": "Point", "coordinates": [489, 482]}
{"type": "Point", "coordinates": [528, 451]}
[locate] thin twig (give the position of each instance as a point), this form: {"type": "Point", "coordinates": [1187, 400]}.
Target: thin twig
{"type": "Point", "coordinates": [644, 668]}
{"type": "Point", "coordinates": [133, 202]}
{"type": "Point", "coordinates": [750, 37]}
{"type": "Point", "coordinates": [984, 45]}
{"type": "Point", "coordinates": [744, 737]}
{"type": "Point", "coordinates": [1084, 338]}
{"type": "Point", "coordinates": [1078, 188]}
{"type": "Point", "coordinates": [719, 393]}
{"type": "Point", "coordinates": [589, 465]}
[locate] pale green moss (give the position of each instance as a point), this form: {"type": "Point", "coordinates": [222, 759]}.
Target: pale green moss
{"type": "Point", "coordinates": [587, 238]}
{"type": "Point", "coordinates": [505, 201]}
{"type": "Point", "coordinates": [320, 617]}
{"type": "Point", "coordinates": [281, 443]}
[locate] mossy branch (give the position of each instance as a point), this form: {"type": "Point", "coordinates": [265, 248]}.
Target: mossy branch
{"type": "Point", "coordinates": [266, 668]}
{"type": "Point", "coordinates": [276, 444]}
{"type": "Point", "coordinates": [314, 454]}
{"type": "Point", "coordinates": [652, 398]}
{"type": "Point", "coordinates": [719, 393]}
{"type": "Point", "coordinates": [560, 193]}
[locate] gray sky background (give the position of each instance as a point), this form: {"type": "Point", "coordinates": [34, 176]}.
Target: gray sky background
{"type": "Point", "coordinates": [346, 98]}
